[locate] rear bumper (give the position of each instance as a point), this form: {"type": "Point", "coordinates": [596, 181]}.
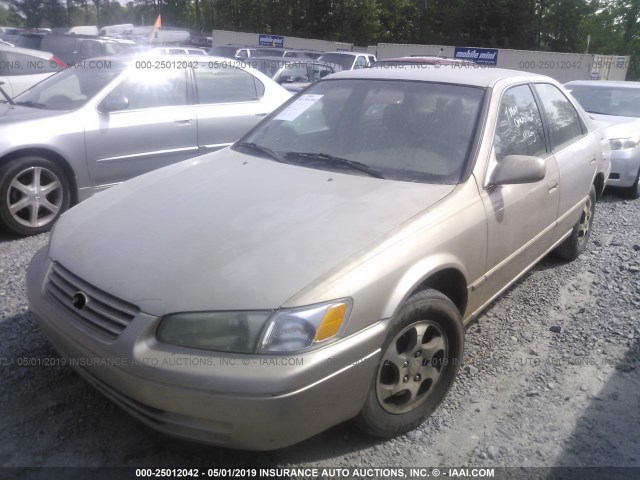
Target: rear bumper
{"type": "Point", "coordinates": [239, 401]}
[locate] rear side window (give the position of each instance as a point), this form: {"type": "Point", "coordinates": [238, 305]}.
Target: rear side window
{"type": "Point", "coordinates": [62, 47]}
{"type": "Point", "coordinates": [361, 62]}
{"type": "Point", "coordinates": [519, 128]}
{"type": "Point", "coordinates": [225, 84]}
{"type": "Point", "coordinates": [29, 41]}
{"type": "Point", "coordinates": [564, 122]}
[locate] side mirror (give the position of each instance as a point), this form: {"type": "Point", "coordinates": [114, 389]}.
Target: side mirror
{"type": "Point", "coordinates": [114, 102]}
{"type": "Point", "coordinates": [514, 169]}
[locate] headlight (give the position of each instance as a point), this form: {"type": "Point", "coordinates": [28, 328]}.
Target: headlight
{"type": "Point", "coordinates": [223, 331]}
{"type": "Point", "coordinates": [261, 331]}
{"type": "Point", "coordinates": [297, 329]}
{"type": "Point", "coordinates": [624, 143]}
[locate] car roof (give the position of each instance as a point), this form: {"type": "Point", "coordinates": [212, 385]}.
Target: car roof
{"type": "Point", "coordinates": [604, 83]}
{"type": "Point", "coordinates": [285, 60]}
{"type": "Point", "coordinates": [457, 74]}
{"type": "Point", "coordinates": [27, 51]}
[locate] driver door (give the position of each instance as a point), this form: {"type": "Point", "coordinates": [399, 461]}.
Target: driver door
{"type": "Point", "coordinates": [520, 217]}
{"type": "Point", "coordinates": [157, 128]}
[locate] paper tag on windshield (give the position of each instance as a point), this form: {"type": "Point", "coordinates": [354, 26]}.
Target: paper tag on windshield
{"type": "Point", "coordinates": [294, 110]}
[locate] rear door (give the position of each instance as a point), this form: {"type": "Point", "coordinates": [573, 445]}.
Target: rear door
{"type": "Point", "coordinates": [229, 102]}
{"type": "Point", "coordinates": [156, 129]}
{"type": "Point", "coordinates": [575, 152]}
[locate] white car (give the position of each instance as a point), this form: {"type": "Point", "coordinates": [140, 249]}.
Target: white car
{"type": "Point", "coordinates": [22, 68]}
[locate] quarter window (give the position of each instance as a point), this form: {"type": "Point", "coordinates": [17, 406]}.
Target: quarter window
{"type": "Point", "coordinates": [564, 121]}
{"type": "Point", "coordinates": [519, 128]}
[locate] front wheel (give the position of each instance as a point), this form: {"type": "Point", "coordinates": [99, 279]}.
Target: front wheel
{"type": "Point", "coordinates": [573, 246]}
{"type": "Point", "coordinates": [34, 192]}
{"type": "Point", "coordinates": [420, 360]}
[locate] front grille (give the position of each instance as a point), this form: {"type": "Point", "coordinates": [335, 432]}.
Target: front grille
{"type": "Point", "coordinates": [104, 314]}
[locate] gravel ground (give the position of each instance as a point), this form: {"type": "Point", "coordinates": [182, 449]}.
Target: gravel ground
{"type": "Point", "coordinates": [551, 378]}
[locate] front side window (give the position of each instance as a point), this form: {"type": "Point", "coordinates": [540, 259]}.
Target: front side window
{"type": "Point", "coordinates": [294, 73]}
{"type": "Point", "coordinates": [225, 83]}
{"type": "Point", "coordinates": [519, 128]}
{"type": "Point", "coordinates": [409, 131]}
{"type": "Point", "coordinates": [564, 122]}
{"type": "Point", "coordinates": [154, 88]}
{"type": "Point", "coordinates": [71, 88]}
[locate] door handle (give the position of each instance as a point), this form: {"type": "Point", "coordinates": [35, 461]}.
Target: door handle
{"type": "Point", "coordinates": [593, 160]}
{"type": "Point", "coordinates": [261, 114]}
{"type": "Point", "coordinates": [187, 121]}
{"type": "Point", "coordinates": [552, 187]}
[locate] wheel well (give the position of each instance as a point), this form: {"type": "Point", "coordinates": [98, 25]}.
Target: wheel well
{"type": "Point", "coordinates": [449, 282]}
{"type": "Point", "coordinates": [59, 159]}
{"type": "Point", "coordinates": [598, 183]}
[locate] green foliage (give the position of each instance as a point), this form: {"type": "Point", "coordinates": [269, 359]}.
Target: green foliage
{"type": "Point", "coordinates": [555, 25]}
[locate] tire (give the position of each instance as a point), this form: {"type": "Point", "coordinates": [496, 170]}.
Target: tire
{"type": "Point", "coordinates": [34, 192]}
{"type": "Point", "coordinates": [573, 246]}
{"type": "Point", "coordinates": [414, 375]}
{"type": "Point", "coordinates": [633, 191]}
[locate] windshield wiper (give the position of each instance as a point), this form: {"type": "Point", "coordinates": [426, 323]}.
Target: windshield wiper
{"type": "Point", "coordinates": [4, 94]}
{"type": "Point", "coordinates": [259, 148]}
{"type": "Point", "coordinates": [338, 161]}
{"type": "Point", "coordinates": [602, 113]}
{"type": "Point", "coordinates": [30, 103]}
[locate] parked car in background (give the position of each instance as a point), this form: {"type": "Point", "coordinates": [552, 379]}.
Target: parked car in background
{"type": "Point", "coordinates": [179, 50]}
{"type": "Point", "coordinates": [70, 49]}
{"type": "Point", "coordinates": [83, 30]}
{"type": "Point", "coordinates": [348, 60]}
{"type": "Point", "coordinates": [113, 118]}
{"type": "Point", "coordinates": [617, 106]}
{"type": "Point", "coordinates": [21, 68]}
{"type": "Point", "coordinates": [422, 61]}
{"type": "Point", "coordinates": [329, 260]}
{"type": "Point", "coordinates": [230, 51]}
{"type": "Point", "coordinates": [293, 74]}
{"type": "Point", "coordinates": [283, 52]}
{"type": "Point", "coordinates": [10, 34]}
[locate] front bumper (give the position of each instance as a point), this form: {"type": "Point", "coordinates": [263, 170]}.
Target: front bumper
{"type": "Point", "coordinates": [625, 165]}
{"type": "Point", "coordinates": [239, 401]}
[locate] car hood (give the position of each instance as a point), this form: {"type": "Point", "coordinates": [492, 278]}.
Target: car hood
{"type": "Point", "coordinates": [229, 231]}
{"type": "Point", "coordinates": [17, 113]}
{"type": "Point", "coordinates": [618, 127]}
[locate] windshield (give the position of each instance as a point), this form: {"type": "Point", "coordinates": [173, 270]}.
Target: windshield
{"type": "Point", "coordinates": [624, 102]}
{"type": "Point", "coordinates": [267, 52]}
{"type": "Point", "coordinates": [71, 88]}
{"type": "Point", "coordinates": [401, 130]}
{"type": "Point", "coordinates": [344, 61]}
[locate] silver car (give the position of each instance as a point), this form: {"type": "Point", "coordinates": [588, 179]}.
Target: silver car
{"type": "Point", "coordinates": [617, 106]}
{"type": "Point", "coordinates": [106, 120]}
{"type": "Point", "coordinates": [325, 266]}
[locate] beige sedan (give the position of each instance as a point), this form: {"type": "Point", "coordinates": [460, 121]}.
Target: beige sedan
{"type": "Point", "coordinates": [324, 267]}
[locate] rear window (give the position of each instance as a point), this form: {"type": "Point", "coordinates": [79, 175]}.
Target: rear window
{"type": "Point", "coordinates": [29, 41]}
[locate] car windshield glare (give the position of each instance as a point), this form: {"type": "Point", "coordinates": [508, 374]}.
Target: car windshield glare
{"type": "Point", "coordinates": [624, 102]}
{"type": "Point", "coordinates": [72, 88]}
{"type": "Point", "coordinates": [400, 130]}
